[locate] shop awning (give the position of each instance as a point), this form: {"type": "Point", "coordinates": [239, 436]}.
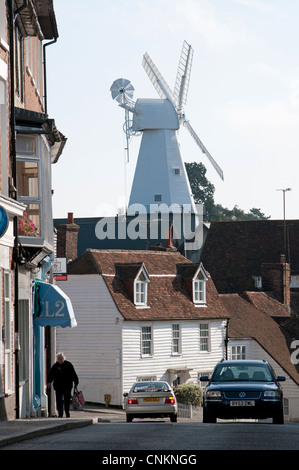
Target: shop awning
{"type": "Point", "coordinates": [52, 307]}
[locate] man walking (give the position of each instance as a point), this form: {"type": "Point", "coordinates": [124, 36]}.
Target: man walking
{"type": "Point", "coordinates": [63, 375]}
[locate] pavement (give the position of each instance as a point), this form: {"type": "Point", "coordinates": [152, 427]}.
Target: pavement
{"type": "Point", "coordinates": [20, 429]}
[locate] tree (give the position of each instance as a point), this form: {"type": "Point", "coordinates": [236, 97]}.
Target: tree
{"type": "Point", "coordinates": [203, 192]}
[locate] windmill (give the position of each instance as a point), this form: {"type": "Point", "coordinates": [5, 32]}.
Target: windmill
{"type": "Point", "coordinates": [160, 174]}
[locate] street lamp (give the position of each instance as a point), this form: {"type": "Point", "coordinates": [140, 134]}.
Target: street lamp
{"type": "Point", "coordinates": [284, 218]}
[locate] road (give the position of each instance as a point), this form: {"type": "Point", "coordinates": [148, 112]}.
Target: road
{"type": "Point", "coordinates": [162, 435]}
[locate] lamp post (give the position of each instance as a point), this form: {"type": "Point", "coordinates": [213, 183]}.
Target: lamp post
{"type": "Point", "coordinates": [284, 219]}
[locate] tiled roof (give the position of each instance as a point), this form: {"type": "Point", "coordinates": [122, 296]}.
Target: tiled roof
{"type": "Point", "coordinates": [246, 321]}
{"type": "Point", "coordinates": [167, 297]}
{"type": "Point", "coordinates": [266, 303]}
{"type": "Point", "coordinates": [235, 251]}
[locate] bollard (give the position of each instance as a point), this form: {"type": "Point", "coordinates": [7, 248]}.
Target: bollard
{"type": "Point", "coordinates": [107, 399]}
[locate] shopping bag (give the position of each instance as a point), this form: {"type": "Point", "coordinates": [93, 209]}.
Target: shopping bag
{"type": "Point", "coordinates": [80, 397]}
{"type": "Point", "coordinates": [75, 402]}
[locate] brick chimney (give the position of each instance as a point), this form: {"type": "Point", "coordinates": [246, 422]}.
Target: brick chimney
{"type": "Point", "coordinates": [67, 239]}
{"type": "Point", "coordinates": [276, 277]}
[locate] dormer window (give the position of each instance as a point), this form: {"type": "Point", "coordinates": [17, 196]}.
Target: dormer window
{"type": "Point", "coordinates": [140, 288]}
{"type": "Point", "coordinates": [199, 287]}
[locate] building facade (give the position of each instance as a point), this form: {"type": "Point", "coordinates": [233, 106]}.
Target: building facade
{"type": "Point", "coordinates": [141, 315]}
{"type": "Point", "coordinates": [29, 144]}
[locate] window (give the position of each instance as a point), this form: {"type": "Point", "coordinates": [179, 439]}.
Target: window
{"type": "Point", "coordinates": [3, 133]}
{"type": "Point", "coordinates": [294, 281]}
{"type": "Point", "coordinates": [176, 339]}
{"type": "Point", "coordinates": [28, 180]}
{"type": "Point", "coordinates": [286, 406]}
{"type": "Point", "coordinates": [2, 23]}
{"type": "Point", "coordinates": [199, 287]}
{"type": "Point", "coordinates": [140, 288]}
{"type": "Point", "coordinates": [146, 341]}
{"type": "Point", "coordinates": [204, 337]}
{"type": "Point", "coordinates": [7, 334]}
{"type": "Point", "coordinates": [158, 197]}
{"type": "Point", "coordinates": [19, 69]}
{"type": "Point", "coordinates": [238, 352]}
{"type": "Point", "coordinates": [199, 291]}
{"type": "Point", "coordinates": [258, 284]}
{"type": "Point", "coordinates": [177, 171]}
{"type": "Point", "coordinates": [34, 60]}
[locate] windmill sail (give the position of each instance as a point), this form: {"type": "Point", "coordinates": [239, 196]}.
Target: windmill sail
{"type": "Point", "coordinates": [203, 148]}
{"type": "Point", "coordinates": [183, 75]}
{"type": "Point", "coordinates": [157, 80]}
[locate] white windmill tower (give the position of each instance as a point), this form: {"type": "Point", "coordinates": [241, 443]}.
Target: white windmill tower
{"type": "Point", "coordinates": [160, 175]}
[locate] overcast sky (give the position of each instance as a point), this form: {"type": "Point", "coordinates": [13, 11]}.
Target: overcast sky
{"type": "Point", "coordinates": [243, 97]}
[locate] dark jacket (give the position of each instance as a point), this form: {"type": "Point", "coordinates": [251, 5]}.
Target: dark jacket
{"type": "Point", "coordinates": [63, 375]}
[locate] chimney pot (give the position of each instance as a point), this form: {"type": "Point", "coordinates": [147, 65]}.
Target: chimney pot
{"type": "Point", "coordinates": [70, 218]}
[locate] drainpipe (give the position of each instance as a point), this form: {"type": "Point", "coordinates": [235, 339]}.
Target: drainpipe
{"type": "Point", "coordinates": [226, 340]}
{"type": "Point", "coordinates": [45, 73]}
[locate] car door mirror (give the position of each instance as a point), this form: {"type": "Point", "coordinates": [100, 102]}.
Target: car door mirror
{"type": "Point", "coordinates": [204, 378]}
{"type": "Point", "coordinates": [280, 378]}
{"type": "Point", "coordinates": [125, 394]}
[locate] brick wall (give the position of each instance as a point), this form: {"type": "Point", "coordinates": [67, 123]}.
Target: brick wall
{"type": "Point", "coordinates": [67, 239]}
{"type": "Point", "coordinates": [276, 277]}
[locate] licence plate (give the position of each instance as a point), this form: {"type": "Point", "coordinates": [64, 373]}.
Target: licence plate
{"type": "Point", "coordinates": [242, 403]}
{"type": "Point", "coordinates": [151, 399]}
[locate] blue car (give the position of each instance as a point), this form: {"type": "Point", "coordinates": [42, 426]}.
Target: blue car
{"type": "Point", "coordinates": [241, 390]}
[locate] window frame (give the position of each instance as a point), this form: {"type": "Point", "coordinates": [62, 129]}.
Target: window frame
{"type": "Point", "coordinates": [204, 339]}
{"type": "Point", "coordinates": [141, 288]}
{"type": "Point", "coordinates": [199, 287]}
{"type": "Point", "coordinates": [146, 343]}
{"type": "Point", "coordinates": [239, 353]}
{"type": "Point", "coordinates": [176, 340]}
{"type": "Point", "coordinates": [8, 345]}
{"type": "Point", "coordinates": [36, 158]}
{"type": "Point", "coordinates": [19, 65]}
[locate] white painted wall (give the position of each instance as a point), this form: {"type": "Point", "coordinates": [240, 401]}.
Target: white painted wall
{"type": "Point", "coordinates": [94, 346]}
{"type": "Point", "coordinates": [135, 365]}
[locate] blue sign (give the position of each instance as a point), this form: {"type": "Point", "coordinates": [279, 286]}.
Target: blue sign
{"type": "Point", "coordinates": [52, 307]}
{"type": "Point", "coordinates": [3, 221]}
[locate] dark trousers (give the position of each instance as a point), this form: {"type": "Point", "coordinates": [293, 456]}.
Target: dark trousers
{"type": "Point", "coordinates": [63, 400]}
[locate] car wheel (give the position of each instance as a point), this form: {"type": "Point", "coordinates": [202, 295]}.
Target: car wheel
{"type": "Point", "coordinates": [173, 418]}
{"type": "Point", "coordinates": [208, 417]}
{"type": "Point", "coordinates": [278, 418]}
{"type": "Point", "coordinates": [129, 418]}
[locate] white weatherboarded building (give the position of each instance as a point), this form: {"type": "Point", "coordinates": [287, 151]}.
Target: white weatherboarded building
{"type": "Point", "coordinates": [140, 315]}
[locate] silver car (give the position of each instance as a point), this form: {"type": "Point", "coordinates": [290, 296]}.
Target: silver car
{"type": "Point", "coordinates": [151, 400]}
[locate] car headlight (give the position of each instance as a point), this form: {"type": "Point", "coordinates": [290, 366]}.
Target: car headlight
{"type": "Point", "coordinates": [271, 394]}
{"type": "Point", "coordinates": [213, 394]}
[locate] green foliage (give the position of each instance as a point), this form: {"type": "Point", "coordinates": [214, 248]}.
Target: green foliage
{"type": "Point", "coordinates": [189, 394]}
{"type": "Point", "coordinates": [221, 213]}
{"type": "Point", "coordinates": [203, 192]}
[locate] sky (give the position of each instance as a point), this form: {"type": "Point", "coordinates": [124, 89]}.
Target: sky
{"type": "Point", "coordinates": [243, 98]}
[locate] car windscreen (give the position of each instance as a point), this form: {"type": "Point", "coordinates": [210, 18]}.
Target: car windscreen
{"type": "Point", "coordinates": [150, 387]}
{"type": "Point", "coordinates": [242, 372]}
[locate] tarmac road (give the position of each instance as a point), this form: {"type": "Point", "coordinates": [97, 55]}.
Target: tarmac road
{"type": "Point", "coordinates": [160, 435]}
